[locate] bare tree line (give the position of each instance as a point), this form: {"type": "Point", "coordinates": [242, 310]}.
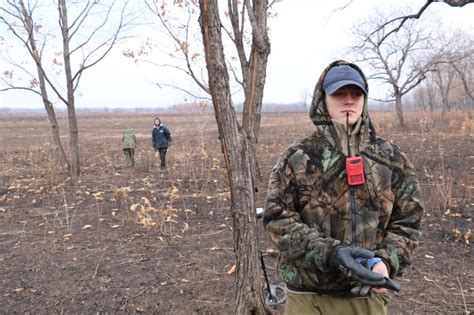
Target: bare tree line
{"type": "Point", "coordinates": [450, 84]}
{"type": "Point", "coordinates": [420, 67]}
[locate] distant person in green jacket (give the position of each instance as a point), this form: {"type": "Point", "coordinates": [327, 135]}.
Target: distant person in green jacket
{"type": "Point", "coordinates": [129, 141]}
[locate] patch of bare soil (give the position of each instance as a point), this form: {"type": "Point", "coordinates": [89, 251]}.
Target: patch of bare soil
{"type": "Point", "coordinates": [147, 241]}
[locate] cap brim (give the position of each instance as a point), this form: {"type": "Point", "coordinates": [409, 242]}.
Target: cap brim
{"type": "Point", "coordinates": [339, 84]}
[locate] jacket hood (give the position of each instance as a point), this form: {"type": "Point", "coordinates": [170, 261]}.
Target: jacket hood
{"type": "Point", "coordinates": [319, 113]}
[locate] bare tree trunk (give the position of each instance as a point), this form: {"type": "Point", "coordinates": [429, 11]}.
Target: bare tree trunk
{"type": "Point", "coordinates": [74, 169]}
{"type": "Point", "coordinates": [255, 81]}
{"type": "Point", "coordinates": [462, 77]}
{"type": "Point", "coordinates": [431, 98]}
{"type": "Point", "coordinates": [399, 110]}
{"type": "Point", "coordinates": [239, 151]}
{"type": "Point", "coordinates": [42, 85]}
{"type": "Point", "coordinates": [446, 103]}
{"type": "Point", "coordinates": [56, 137]}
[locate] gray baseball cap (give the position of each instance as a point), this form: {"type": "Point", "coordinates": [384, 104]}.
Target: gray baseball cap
{"type": "Point", "coordinates": [340, 76]}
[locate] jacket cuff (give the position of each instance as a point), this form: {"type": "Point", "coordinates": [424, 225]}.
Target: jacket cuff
{"type": "Point", "coordinates": [387, 264]}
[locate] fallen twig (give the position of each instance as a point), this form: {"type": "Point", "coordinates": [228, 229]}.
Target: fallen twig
{"type": "Point", "coordinates": [428, 305]}
{"type": "Point", "coordinates": [184, 265]}
{"type": "Point", "coordinates": [131, 297]}
{"type": "Point", "coordinates": [97, 267]}
{"type": "Point", "coordinates": [134, 260]}
{"type": "Point", "coordinates": [462, 294]}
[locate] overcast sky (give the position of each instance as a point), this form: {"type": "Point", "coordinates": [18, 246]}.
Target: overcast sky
{"type": "Point", "coordinates": [305, 36]}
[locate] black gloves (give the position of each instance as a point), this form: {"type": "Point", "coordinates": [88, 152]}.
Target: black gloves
{"type": "Point", "coordinates": [344, 259]}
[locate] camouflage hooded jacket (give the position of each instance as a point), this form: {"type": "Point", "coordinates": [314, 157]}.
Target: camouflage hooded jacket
{"type": "Point", "coordinates": [309, 210]}
{"type": "Point", "coordinates": [129, 140]}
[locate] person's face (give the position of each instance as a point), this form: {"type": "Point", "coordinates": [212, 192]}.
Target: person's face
{"type": "Point", "coordinates": [157, 122]}
{"type": "Point", "coordinates": [347, 100]}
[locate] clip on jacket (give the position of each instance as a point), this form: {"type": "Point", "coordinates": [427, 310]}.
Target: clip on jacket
{"type": "Point", "coordinates": [275, 291]}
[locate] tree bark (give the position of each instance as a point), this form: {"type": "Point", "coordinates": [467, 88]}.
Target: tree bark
{"type": "Point", "coordinates": [53, 122]}
{"type": "Point", "coordinates": [254, 79]}
{"type": "Point", "coordinates": [239, 151]}
{"type": "Point", "coordinates": [399, 109]}
{"type": "Point", "coordinates": [74, 170]}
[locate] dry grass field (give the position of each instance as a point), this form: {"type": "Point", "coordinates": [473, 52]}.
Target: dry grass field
{"type": "Point", "coordinates": [147, 241]}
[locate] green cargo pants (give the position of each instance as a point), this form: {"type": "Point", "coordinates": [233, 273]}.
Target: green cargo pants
{"type": "Point", "coordinates": [129, 157]}
{"type": "Point", "coordinates": [308, 303]}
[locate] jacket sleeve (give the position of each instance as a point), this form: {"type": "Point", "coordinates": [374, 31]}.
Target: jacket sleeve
{"type": "Point", "coordinates": [153, 138]}
{"type": "Point", "coordinates": [302, 248]}
{"type": "Point", "coordinates": [404, 226]}
{"type": "Point", "coordinates": [168, 135]}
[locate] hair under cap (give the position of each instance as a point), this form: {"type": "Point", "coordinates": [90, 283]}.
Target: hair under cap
{"type": "Point", "coordinates": [340, 76]}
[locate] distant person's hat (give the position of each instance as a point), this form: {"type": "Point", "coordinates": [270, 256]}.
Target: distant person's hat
{"type": "Point", "coordinates": [340, 76]}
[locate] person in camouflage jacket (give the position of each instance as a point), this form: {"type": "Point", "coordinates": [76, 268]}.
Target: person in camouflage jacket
{"type": "Point", "coordinates": [129, 141]}
{"type": "Point", "coordinates": [315, 217]}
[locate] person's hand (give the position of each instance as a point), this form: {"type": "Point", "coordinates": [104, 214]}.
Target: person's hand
{"type": "Point", "coordinates": [345, 260]}
{"type": "Point", "coordinates": [382, 269]}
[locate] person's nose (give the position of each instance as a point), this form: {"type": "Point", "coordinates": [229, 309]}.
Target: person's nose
{"type": "Point", "coordinates": [349, 100]}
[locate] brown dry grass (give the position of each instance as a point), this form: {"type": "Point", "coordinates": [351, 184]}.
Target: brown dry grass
{"type": "Point", "coordinates": [142, 240]}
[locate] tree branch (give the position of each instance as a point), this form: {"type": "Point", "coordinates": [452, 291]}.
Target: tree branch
{"type": "Point", "coordinates": [181, 47]}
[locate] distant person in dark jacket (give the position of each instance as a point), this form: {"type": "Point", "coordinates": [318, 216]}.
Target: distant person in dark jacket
{"type": "Point", "coordinates": [129, 141]}
{"type": "Point", "coordinates": [161, 138]}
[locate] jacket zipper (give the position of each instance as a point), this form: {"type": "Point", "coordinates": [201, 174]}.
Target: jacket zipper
{"type": "Point", "coordinates": [352, 200]}
{"type": "Point", "coordinates": [353, 215]}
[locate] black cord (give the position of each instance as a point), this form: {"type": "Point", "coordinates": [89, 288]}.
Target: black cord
{"type": "Point", "coordinates": [349, 153]}
{"type": "Point", "coordinates": [271, 297]}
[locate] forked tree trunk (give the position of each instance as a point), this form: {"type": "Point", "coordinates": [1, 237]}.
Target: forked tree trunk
{"type": "Point", "coordinates": [42, 85]}
{"type": "Point", "coordinates": [238, 146]}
